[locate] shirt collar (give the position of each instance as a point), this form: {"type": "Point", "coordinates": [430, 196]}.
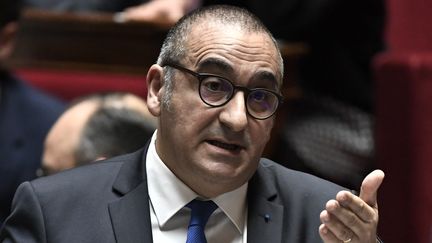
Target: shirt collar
{"type": "Point", "coordinates": [168, 194]}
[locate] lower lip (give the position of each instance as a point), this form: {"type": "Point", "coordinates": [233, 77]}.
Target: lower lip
{"type": "Point", "coordinates": [223, 151]}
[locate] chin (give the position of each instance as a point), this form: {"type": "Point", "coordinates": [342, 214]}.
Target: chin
{"type": "Point", "coordinates": [226, 174]}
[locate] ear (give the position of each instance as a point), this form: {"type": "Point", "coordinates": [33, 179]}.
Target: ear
{"type": "Point", "coordinates": [155, 89]}
{"type": "Point", "coordinates": [7, 40]}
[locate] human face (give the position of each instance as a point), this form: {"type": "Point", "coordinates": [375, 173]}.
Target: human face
{"type": "Point", "coordinates": [216, 149]}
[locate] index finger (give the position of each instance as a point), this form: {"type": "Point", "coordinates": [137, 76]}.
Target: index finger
{"type": "Point", "coordinates": [356, 205]}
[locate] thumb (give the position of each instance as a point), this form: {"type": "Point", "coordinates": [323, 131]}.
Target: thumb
{"type": "Point", "coordinates": [369, 187]}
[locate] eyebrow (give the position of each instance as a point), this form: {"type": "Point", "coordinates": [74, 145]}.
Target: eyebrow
{"type": "Point", "coordinates": [218, 63]}
{"type": "Point", "coordinates": [227, 68]}
{"type": "Point", "coordinates": [266, 75]}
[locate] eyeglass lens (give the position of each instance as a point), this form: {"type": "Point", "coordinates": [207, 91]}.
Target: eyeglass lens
{"type": "Point", "coordinates": [216, 92]}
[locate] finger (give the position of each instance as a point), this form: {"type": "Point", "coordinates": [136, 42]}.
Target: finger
{"type": "Point", "coordinates": [364, 229]}
{"type": "Point", "coordinates": [337, 227]}
{"type": "Point", "coordinates": [355, 204]}
{"type": "Point", "coordinates": [369, 187]}
{"type": "Point", "coordinates": [326, 235]}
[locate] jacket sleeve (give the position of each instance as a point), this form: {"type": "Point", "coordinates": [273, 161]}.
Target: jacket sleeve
{"type": "Point", "coordinates": [25, 223]}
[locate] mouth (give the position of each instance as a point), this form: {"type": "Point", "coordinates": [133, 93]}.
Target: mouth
{"type": "Point", "coordinates": [226, 146]}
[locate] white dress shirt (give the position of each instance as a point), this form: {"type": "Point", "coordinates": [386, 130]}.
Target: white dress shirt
{"type": "Point", "coordinates": [169, 217]}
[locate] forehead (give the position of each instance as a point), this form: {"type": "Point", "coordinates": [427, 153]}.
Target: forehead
{"type": "Point", "coordinates": [243, 50]}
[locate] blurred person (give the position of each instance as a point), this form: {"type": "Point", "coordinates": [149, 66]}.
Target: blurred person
{"type": "Point", "coordinates": [97, 127]}
{"type": "Point", "coordinates": [215, 90]}
{"type": "Point", "coordinates": [26, 115]}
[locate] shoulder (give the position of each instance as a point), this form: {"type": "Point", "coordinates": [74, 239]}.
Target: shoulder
{"type": "Point", "coordinates": [39, 99]}
{"type": "Point", "coordinates": [31, 98]}
{"type": "Point", "coordinates": [296, 182]}
{"type": "Point", "coordinates": [93, 180]}
{"type": "Point", "coordinates": [79, 195]}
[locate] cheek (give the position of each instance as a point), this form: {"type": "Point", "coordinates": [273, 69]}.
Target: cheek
{"type": "Point", "coordinates": [260, 135]}
{"type": "Point", "coordinates": [262, 131]}
{"type": "Point", "coordinates": [191, 113]}
{"type": "Point", "coordinates": [184, 120]}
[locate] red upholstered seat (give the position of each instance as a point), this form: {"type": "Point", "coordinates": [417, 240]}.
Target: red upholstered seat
{"type": "Point", "coordinates": [71, 84]}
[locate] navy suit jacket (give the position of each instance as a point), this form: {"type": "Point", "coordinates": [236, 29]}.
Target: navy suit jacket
{"type": "Point", "coordinates": [108, 202]}
{"type": "Point", "coordinates": [26, 115]}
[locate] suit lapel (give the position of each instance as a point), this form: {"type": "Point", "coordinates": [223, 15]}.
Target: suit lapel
{"type": "Point", "coordinates": [265, 214]}
{"type": "Point", "coordinates": [130, 215]}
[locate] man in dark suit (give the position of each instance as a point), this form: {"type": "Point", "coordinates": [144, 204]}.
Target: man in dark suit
{"type": "Point", "coordinates": [25, 117]}
{"type": "Point", "coordinates": [214, 89]}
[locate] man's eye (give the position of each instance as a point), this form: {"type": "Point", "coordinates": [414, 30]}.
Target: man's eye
{"type": "Point", "coordinates": [259, 96]}
{"type": "Point", "coordinates": [213, 84]}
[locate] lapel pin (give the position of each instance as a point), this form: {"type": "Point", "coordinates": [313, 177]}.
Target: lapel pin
{"type": "Point", "coordinates": [266, 217]}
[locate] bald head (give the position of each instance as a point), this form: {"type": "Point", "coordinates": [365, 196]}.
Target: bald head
{"type": "Point", "coordinates": [219, 16]}
{"type": "Point", "coordinates": [97, 127]}
{"type": "Point", "coordinates": [64, 137]}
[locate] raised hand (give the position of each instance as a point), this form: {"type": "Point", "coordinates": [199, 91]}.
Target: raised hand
{"type": "Point", "coordinates": [349, 218]}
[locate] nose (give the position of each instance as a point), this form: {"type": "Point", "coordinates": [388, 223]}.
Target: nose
{"type": "Point", "coordinates": [234, 114]}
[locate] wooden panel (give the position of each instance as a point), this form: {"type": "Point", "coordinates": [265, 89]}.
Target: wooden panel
{"type": "Point", "coordinates": [86, 42]}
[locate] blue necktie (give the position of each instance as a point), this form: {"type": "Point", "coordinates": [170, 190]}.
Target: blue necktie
{"type": "Point", "coordinates": [201, 211]}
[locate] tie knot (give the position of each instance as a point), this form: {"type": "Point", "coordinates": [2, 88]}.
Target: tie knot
{"type": "Point", "coordinates": [201, 211]}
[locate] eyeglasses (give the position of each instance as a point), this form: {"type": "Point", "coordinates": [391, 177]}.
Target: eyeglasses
{"type": "Point", "coordinates": [216, 91]}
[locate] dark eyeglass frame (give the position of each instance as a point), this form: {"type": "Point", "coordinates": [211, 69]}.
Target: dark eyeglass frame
{"type": "Point", "coordinates": [247, 91]}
